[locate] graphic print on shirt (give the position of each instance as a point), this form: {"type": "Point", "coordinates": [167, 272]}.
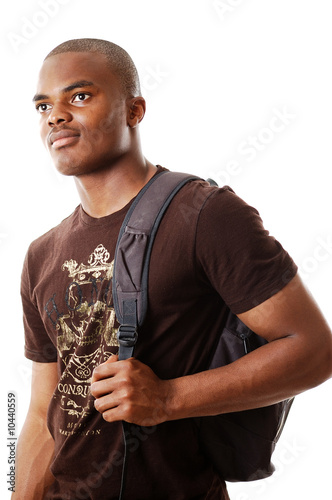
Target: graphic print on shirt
{"type": "Point", "coordinates": [87, 334]}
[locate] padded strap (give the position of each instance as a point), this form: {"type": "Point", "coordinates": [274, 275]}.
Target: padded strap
{"type": "Point", "coordinates": [131, 266]}
{"type": "Point", "coordinates": [132, 254]}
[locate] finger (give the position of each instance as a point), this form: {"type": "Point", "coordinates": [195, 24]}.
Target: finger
{"type": "Point", "coordinates": [112, 358]}
{"type": "Point", "coordinates": [113, 415]}
{"type": "Point", "coordinates": [101, 387]}
{"type": "Point", "coordinates": [106, 403]}
{"type": "Point", "coordinates": [103, 370]}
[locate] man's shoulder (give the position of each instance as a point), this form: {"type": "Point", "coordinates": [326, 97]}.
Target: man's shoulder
{"type": "Point", "coordinates": [199, 196]}
{"type": "Point", "coordinates": [51, 237]}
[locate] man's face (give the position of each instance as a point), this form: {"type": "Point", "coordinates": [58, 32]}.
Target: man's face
{"type": "Point", "coordinates": [83, 112]}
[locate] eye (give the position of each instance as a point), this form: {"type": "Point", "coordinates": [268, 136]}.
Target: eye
{"type": "Point", "coordinates": [41, 108]}
{"type": "Point", "coordinates": [80, 97]}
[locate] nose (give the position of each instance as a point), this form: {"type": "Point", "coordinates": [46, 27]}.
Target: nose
{"type": "Point", "coordinates": [58, 115]}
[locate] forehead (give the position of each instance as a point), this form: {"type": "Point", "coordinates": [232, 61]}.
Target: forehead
{"type": "Point", "coordinates": [59, 71]}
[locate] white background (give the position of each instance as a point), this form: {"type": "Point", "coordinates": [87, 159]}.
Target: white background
{"type": "Point", "coordinates": [214, 75]}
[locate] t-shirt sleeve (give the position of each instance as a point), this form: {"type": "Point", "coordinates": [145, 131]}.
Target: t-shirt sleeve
{"type": "Point", "coordinates": [242, 261]}
{"type": "Point", "coordinates": [38, 345]}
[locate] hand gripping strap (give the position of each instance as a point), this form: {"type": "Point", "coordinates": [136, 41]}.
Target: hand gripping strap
{"type": "Point", "coordinates": [132, 254]}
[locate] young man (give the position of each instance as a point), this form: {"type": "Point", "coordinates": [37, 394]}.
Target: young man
{"type": "Point", "coordinates": [71, 446]}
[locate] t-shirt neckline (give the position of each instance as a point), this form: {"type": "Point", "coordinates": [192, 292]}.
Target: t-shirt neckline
{"type": "Point", "coordinates": [103, 221]}
{"type": "Point", "coordinates": [111, 218]}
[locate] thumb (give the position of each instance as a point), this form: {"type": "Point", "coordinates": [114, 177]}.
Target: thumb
{"type": "Point", "coordinates": [112, 358]}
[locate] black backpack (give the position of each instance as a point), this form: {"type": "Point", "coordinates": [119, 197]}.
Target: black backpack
{"type": "Point", "coordinates": [239, 444]}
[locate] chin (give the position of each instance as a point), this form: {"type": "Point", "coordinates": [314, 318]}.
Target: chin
{"type": "Point", "coordinates": [67, 171]}
{"type": "Point", "coordinates": [74, 170]}
{"type": "Point", "coordinates": [68, 165]}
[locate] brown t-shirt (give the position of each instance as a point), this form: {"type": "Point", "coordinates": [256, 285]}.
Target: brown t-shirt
{"type": "Point", "coordinates": [211, 249]}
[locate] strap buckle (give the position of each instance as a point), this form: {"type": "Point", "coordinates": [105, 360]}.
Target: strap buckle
{"type": "Point", "coordinates": [127, 335]}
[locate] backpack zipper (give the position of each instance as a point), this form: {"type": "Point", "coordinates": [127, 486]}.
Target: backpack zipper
{"type": "Point", "coordinates": [246, 344]}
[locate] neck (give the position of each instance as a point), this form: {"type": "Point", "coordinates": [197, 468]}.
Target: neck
{"type": "Point", "coordinates": [105, 192]}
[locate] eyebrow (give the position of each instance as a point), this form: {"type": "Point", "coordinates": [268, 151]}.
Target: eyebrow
{"type": "Point", "coordinates": [76, 85]}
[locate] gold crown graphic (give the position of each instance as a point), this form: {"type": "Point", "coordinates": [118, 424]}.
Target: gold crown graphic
{"type": "Point", "coordinates": [97, 265]}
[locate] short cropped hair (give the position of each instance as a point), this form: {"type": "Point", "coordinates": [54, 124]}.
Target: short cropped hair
{"type": "Point", "coordinates": [119, 60]}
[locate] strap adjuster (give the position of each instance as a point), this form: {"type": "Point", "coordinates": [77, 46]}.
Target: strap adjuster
{"type": "Point", "coordinates": [127, 335]}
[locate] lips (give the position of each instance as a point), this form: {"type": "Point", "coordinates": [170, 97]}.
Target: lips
{"type": "Point", "coordinates": [63, 138]}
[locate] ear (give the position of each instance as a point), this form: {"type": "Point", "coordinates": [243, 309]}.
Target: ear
{"type": "Point", "coordinates": [136, 111]}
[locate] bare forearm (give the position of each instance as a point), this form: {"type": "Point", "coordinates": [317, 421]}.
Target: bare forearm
{"type": "Point", "coordinates": [281, 369]}
{"type": "Point", "coordinates": [289, 364]}
{"type": "Point", "coordinates": [34, 455]}
{"type": "Point", "coordinates": [298, 356]}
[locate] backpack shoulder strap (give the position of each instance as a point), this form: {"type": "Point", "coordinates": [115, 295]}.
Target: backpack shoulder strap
{"type": "Point", "coordinates": [132, 254]}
